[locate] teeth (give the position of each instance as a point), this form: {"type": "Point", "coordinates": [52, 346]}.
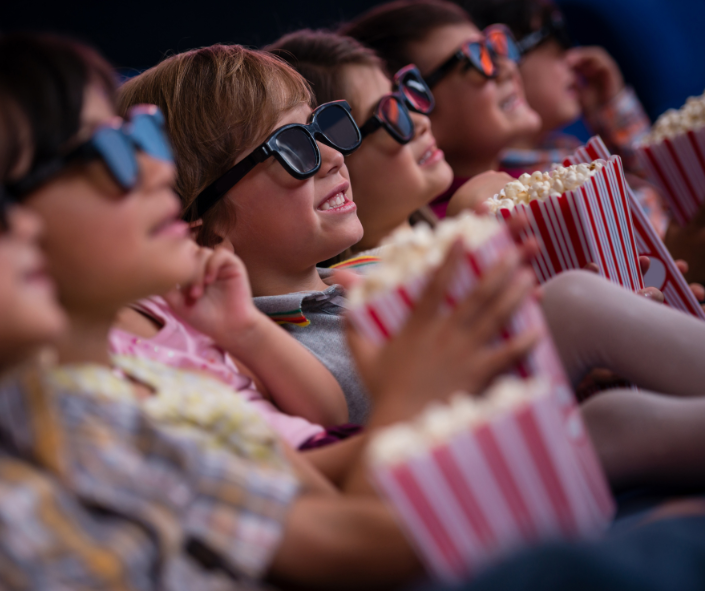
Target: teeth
{"type": "Point", "coordinates": [333, 202]}
{"type": "Point", "coordinates": [506, 104]}
{"type": "Point", "coordinates": [427, 154]}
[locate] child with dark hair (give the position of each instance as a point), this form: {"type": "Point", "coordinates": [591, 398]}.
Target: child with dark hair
{"type": "Point", "coordinates": [119, 472]}
{"type": "Point", "coordinates": [562, 83]}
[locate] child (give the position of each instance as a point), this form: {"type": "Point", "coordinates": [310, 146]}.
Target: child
{"type": "Point", "coordinates": [480, 104]}
{"type": "Point", "coordinates": [398, 168]}
{"type": "Point", "coordinates": [564, 82]}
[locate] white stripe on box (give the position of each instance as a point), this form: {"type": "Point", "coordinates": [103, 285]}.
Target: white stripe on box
{"type": "Point", "coordinates": [479, 478]}
{"type": "Point", "coordinates": [430, 479]}
{"type": "Point", "coordinates": [421, 537]}
{"type": "Point", "coordinates": [514, 448]}
{"type": "Point", "coordinates": [552, 427]}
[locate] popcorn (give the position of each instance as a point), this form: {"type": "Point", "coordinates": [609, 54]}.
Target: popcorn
{"type": "Point", "coordinates": [578, 214]}
{"type": "Point", "coordinates": [542, 185]}
{"type": "Point", "coordinates": [690, 116]}
{"type": "Point", "coordinates": [440, 422]}
{"type": "Point", "coordinates": [410, 252]}
{"type": "Point", "coordinates": [664, 275]}
{"type": "Point", "coordinates": [479, 477]}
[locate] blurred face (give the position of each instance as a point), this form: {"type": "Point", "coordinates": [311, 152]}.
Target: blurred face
{"type": "Point", "coordinates": [475, 118]}
{"type": "Point", "coordinates": [289, 224]}
{"type": "Point", "coordinates": [551, 85]}
{"type": "Point", "coordinates": [30, 314]}
{"type": "Point", "coordinates": [105, 247]}
{"type": "Point", "coordinates": [391, 180]}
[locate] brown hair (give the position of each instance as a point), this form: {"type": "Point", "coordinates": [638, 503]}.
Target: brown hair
{"type": "Point", "coordinates": [218, 103]}
{"type": "Point", "coordinates": [523, 17]}
{"type": "Point", "coordinates": [391, 28]}
{"type": "Point", "coordinates": [319, 57]}
{"type": "Point", "coordinates": [43, 79]}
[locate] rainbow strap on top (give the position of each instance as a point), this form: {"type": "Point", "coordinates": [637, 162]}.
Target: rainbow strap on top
{"type": "Point", "coordinates": [356, 262]}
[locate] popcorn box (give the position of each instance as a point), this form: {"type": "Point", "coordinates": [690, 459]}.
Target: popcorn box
{"type": "Point", "coordinates": [385, 314]}
{"type": "Point", "coordinates": [663, 274]}
{"type": "Point", "coordinates": [677, 166]}
{"type": "Point", "coordinates": [512, 480]}
{"type": "Point", "coordinates": [591, 224]}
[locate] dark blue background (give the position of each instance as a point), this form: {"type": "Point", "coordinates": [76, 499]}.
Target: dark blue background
{"type": "Point", "coordinates": [659, 43]}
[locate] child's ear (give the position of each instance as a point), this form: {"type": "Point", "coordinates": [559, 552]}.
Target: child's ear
{"type": "Point", "coordinates": [219, 243]}
{"type": "Point", "coordinates": [194, 226]}
{"type": "Point", "coordinates": [226, 244]}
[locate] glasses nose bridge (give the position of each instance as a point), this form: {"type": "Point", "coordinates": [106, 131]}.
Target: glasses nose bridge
{"type": "Point", "coordinates": [506, 67]}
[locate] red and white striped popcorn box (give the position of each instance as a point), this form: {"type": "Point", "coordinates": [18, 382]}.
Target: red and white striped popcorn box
{"type": "Point", "coordinates": [516, 479]}
{"type": "Point", "coordinates": [591, 224]}
{"type": "Point", "coordinates": [677, 166]}
{"type": "Point", "coordinates": [663, 273]}
{"type": "Point", "coordinates": [385, 314]}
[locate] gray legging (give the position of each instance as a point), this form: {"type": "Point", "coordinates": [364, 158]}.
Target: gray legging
{"type": "Point", "coordinates": [597, 324]}
{"type": "Point", "coordinates": [641, 438]}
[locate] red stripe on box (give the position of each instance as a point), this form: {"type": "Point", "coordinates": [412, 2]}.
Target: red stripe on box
{"type": "Point", "coordinates": [595, 241]}
{"type": "Point", "coordinates": [424, 509]}
{"type": "Point", "coordinates": [505, 481]}
{"type": "Point", "coordinates": [408, 302]}
{"type": "Point", "coordinates": [679, 166]}
{"type": "Point", "coordinates": [378, 321]}
{"type": "Point", "coordinates": [573, 231]}
{"type": "Point", "coordinates": [623, 191]}
{"type": "Point", "coordinates": [613, 211]}
{"type": "Point", "coordinates": [696, 149]}
{"type": "Point", "coordinates": [674, 202]}
{"type": "Point", "coordinates": [544, 465]}
{"type": "Point", "coordinates": [465, 496]}
{"type": "Point", "coordinates": [540, 220]}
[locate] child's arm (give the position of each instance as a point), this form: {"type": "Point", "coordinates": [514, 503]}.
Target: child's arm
{"type": "Point", "coordinates": [219, 303]}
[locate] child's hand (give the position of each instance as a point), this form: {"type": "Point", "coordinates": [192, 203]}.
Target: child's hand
{"type": "Point", "coordinates": [600, 76]}
{"type": "Point", "coordinates": [476, 190]}
{"type": "Point", "coordinates": [218, 302]}
{"type": "Point", "coordinates": [436, 353]}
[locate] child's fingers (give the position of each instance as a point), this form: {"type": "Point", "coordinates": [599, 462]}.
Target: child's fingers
{"type": "Point", "coordinates": [644, 264]}
{"type": "Point", "coordinates": [698, 291]}
{"type": "Point", "coordinates": [361, 349]}
{"type": "Point", "coordinates": [682, 265]}
{"type": "Point", "coordinates": [507, 354]}
{"type": "Point", "coordinates": [437, 288]}
{"type": "Point", "coordinates": [500, 310]}
{"type": "Point", "coordinates": [653, 294]}
{"type": "Point", "coordinates": [347, 279]}
{"type": "Point", "coordinates": [487, 289]}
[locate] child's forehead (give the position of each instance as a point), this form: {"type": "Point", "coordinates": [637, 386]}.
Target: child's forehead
{"type": "Point", "coordinates": [300, 113]}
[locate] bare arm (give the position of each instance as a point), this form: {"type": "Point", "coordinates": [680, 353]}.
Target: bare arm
{"type": "Point", "coordinates": [298, 382]}
{"type": "Point", "coordinates": [343, 543]}
{"type": "Point", "coordinates": [219, 303]}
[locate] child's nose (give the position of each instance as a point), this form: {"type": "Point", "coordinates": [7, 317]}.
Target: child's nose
{"type": "Point", "coordinates": [331, 160]}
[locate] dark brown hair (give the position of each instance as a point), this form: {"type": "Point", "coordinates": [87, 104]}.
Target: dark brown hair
{"type": "Point", "coordinates": [523, 17]}
{"type": "Point", "coordinates": [44, 77]}
{"type": "Point", "coordinates": [391, 28]}
{"type": "Point", "coordinates": [319, 56]}
{"type": "Point", "coordinates": [218, 103]}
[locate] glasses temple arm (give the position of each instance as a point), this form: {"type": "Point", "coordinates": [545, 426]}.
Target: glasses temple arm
{"type": "Point", "coordinates": [370, 126]}
{"type": "Point", "coordinates": [434, 77]}
{"type": "Point", "coordinates": [215, 191]}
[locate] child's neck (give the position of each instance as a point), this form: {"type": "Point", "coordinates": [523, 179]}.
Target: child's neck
{"type": "Point", "coordinates": [375, 232]}
{"type": "Point", "coordinates": [86, 340]}
{"type": "Point", "coordinates": [531, 141]}
{"type": "Point", "coordinates": [270, 281]}
{"type": "Point", "coordinates": [465, 168]}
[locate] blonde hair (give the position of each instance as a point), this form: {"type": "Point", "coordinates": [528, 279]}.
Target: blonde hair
{"type": "Point", "coordinates": [219, 102]}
